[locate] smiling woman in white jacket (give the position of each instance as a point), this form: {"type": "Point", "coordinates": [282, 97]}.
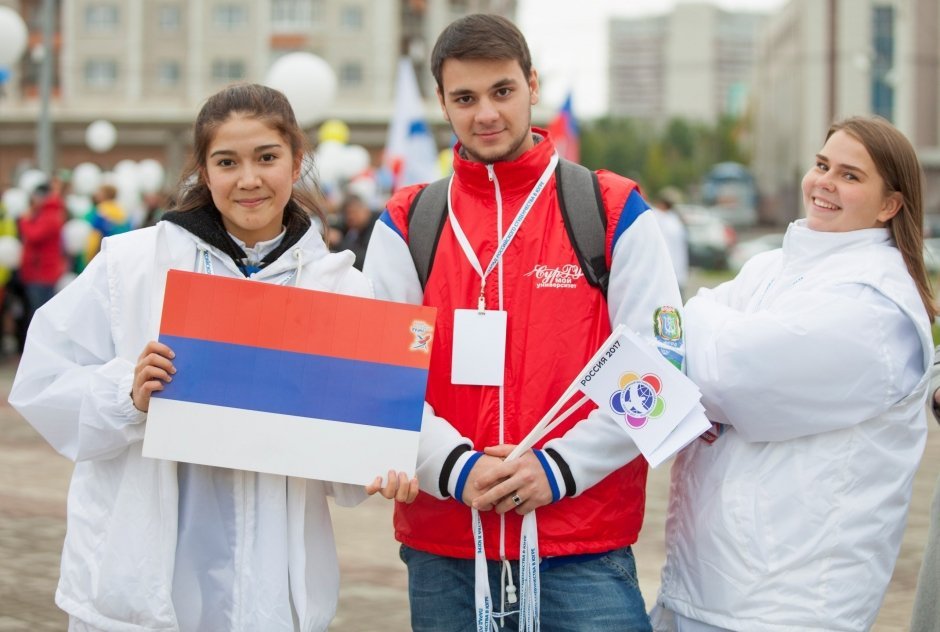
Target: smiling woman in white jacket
{"type": "Point", "coordinates": [813, 363]}
{"type": "Point", "coordinates": [152, 544]}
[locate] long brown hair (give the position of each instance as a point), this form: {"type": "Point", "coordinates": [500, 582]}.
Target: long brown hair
{"type": "Point", "coordinates": [270, 107]}
{"type": "Point", "coordinates": [897, 164]}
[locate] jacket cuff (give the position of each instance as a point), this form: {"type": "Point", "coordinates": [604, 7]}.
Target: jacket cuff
{"type": "Point", "coordinates": [444, 480]}
{"type": "Point", "coordinates": [552, 474]}
{"type": "Point", "coordinates": [128, 413]}
{"type": "Point", "coordinates": [562, 472]}
{"type": "Point", "coordinates": [461, 473]}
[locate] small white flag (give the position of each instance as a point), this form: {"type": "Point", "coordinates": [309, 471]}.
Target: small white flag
{"type": "Point", "coordinates": [410, 152]}
{"type": "Point", "coordinates": [655, 403]}
{"type": "Point", "coordinates": [630, 381]}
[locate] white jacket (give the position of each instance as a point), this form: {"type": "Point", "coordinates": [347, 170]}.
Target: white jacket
{"type": "Point", "coordinates": [120, 552]}
{"type": "Point", "coordinates": [817, 356]}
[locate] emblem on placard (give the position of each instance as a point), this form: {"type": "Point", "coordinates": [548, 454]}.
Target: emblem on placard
{"type": "Point", "coordinates": [638, 399]}
{"type": "Point", "coordinates": [423, 333]}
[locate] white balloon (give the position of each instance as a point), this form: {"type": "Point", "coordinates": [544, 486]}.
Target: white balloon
{"type": "Point", "coordinates": [15, 201]}
{"type": "Point", "coordinates": [126, 179]}
{"type": "Point", "coordinates": [327, 161]}
{"type": "Point", "coordinates": [307, 81]}
{"type": "Point", "coordinates": [77, 205]}
{"type": "Point", "coordinates": [367, 189]}
{"type": "Point", "coordinates": [354, 160]}
{"type": "Point", "coordinates": [64, 280]}
{"type": "Point", "coordinates": [100, 136]}
{"type": "Point", "coordinates": [126, 169]}
{"type": "Point", "coordinates": [13, 36]}
{"type": "Point", "coordinates": [75, 236]}
{"type": "Point", "coordinates": [150, 175]}
{"type": "Point", "coordinates": [86, 178]}
{"type": "Point", "coordinates": [11, 252]}
{"type": "Point", "coordinates": [30, 179]}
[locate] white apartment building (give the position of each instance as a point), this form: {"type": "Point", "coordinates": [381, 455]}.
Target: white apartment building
{"type": "Point", "coordinates": [694, 63]}
{"type": "Point", "coordinates": [822, 60]}
{"type": "Point", "coordinates": [147, 65]}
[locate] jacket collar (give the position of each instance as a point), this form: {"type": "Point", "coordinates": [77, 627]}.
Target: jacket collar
{"type": "Point", "coordinates": [802, 241]}
{"type": "Point", "coordinates": [206, 224]}
{"type": "Point", "coordinates": [516, 177]}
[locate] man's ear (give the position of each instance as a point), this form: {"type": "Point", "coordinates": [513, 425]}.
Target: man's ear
{"type": "Point", "coordinates": [533, 87]}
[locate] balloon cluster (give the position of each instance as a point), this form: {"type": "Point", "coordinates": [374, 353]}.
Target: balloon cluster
{"type": "Point", "coordinates": [132, 180]}
{"type": "Point", "coordinates": [339, 167]}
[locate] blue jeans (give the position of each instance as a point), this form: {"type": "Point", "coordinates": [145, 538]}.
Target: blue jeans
{"type": "Point", "coordinates": [37, 295]}
{"type": "Point", "coordinates": [595, 594]}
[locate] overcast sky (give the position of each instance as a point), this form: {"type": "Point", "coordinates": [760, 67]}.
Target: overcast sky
{"type": "Point", "coordinates": [568, 41]}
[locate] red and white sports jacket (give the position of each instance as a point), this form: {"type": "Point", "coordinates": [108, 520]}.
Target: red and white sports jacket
{"type": "Point", "coordinates": [556, 322]}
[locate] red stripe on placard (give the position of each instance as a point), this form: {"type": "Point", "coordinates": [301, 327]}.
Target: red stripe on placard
{"type": "Point", "coordinates": [255, 314]}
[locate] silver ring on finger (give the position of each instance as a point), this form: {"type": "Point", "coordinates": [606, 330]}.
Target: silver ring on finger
{"type": "Point", "coordinates": [516, 500]}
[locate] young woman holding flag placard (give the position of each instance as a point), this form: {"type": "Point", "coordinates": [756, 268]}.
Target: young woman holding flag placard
{"type": "Point", "coordinates": [159, 545]}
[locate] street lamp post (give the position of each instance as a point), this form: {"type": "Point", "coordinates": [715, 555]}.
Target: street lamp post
{"type": "Point", "coordinates": [44, 144]}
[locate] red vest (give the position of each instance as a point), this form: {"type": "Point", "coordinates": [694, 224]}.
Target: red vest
{"type": "Point", "coordinates": [556, 321]}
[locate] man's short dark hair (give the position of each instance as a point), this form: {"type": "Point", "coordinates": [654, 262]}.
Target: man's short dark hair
{"type": "Point", "coordinates": [42, 190]}
{"type": "Point", "coordinates": [480, 36]}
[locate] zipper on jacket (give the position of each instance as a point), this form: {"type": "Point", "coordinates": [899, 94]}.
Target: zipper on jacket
{"type": "Point", "coordinates": [507, 590]}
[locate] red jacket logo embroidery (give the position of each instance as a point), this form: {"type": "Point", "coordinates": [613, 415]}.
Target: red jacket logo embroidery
{"type": "Point", "coordinates": [565, 277]}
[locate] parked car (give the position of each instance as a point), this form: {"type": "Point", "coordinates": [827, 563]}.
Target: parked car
{"type": "Point", "coordinates": [710, 238]}
{"type": "Point", "coordinates": [750, 247]}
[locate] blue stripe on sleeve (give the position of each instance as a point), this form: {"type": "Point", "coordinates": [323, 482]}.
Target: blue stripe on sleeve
{"type": "Point", "coordinates": [386, 219]}
{"type": "Point", "coordinates": [464, 475]}
{"type": "Point", "coordinates": [632, 209]}
{"type": "Point", "coordinates": [556, 493]}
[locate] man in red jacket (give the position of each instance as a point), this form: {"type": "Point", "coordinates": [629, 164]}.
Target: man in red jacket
{"type": "Point", "coordinates": [43, 260]}
{"type": "Point", "coordinates": [512, 296]}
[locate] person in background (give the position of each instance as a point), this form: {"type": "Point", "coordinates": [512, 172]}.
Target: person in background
{"type": "Point", "coordinates": [158, 545]}
{"type": "Point", "coordinates": [155, 205]}
{"type": "Point", "coordinates": [12, 295]}
{"type": "Point", "coordinates": [107, 217]}
{"type": "Point", "coordinates": [504, 248]}
{"type": "Point", "coordinates": [813, 365]}
{"type": "Point", "coordinates": [359, 220]}
{"type": "Point", "coordinates": [43, 261]}
{"type": "Point", "coordinates": [926, 614]}
{"type": "Point", "coordinates": [674, 232]}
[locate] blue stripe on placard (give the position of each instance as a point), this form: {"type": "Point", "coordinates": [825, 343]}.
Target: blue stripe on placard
{"type": "Point", "coordinates": [299, 384]}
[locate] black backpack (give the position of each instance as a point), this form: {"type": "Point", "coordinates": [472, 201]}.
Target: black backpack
{"type": "Point", "coordinates": [582, 209]}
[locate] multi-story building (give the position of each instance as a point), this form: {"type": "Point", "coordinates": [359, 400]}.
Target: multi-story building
{"type": "Point", "coordinates": [824, 60]}
{"type": "Point", "coordinates": [694, 62]}
{"type": "Point", "coordinates": [147, 65]}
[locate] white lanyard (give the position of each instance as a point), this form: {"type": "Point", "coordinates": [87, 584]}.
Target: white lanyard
{"type": "Point", "coordinates": [507, 238]}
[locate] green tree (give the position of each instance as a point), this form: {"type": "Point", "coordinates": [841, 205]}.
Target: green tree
{"type": "Point", "coordinates": [679, 154]}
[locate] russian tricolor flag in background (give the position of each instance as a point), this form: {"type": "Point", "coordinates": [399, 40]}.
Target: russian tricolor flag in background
{"type": "Point", "coordinates": [564, 132]}
{"type": "Point", "coordinates": [290, 381]}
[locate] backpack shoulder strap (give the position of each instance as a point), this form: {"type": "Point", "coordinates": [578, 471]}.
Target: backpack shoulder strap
{"type": "Point", "coordinates": [585, 217]}
{"type": "Point", "coordinates": [425, 223]}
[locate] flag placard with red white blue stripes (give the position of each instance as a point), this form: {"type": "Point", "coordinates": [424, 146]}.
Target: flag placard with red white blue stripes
{"type": "Point", "coordinates": [289, 381]}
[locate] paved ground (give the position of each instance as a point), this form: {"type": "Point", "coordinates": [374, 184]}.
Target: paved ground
{"type": "Point", "coordinates": [33, 484]}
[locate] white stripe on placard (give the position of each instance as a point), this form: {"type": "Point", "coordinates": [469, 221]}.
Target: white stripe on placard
{"type": "Point", "coordinates": [276, 444]}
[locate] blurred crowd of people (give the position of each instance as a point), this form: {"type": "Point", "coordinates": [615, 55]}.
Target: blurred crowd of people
{"type": "Point", "coordinates": [49, 234]}
{"type": "Point", "coordinates": [47, 237]}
